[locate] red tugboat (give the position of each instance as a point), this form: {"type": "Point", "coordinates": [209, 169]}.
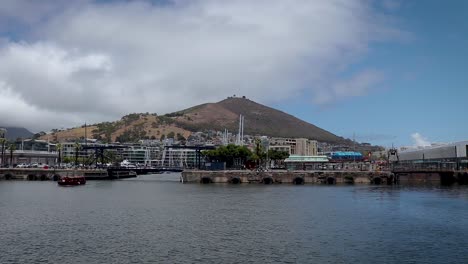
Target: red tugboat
{"type": "Point", "coordinates": [71, 181]}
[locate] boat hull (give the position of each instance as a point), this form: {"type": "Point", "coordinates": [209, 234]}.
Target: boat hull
{"type": "Point", "coordinates": [72, 181]}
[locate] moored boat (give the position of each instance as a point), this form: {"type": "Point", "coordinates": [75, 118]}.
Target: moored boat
{"type": "Point", "coordinates": [71, 181]}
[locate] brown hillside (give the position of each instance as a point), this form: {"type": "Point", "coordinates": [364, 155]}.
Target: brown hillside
{"type": "Point", "coordinates": [69, 134]}
{"type": "Point", "coordinates": [130, 128]}
{"type": "Point", "coordinates": [259, 120]}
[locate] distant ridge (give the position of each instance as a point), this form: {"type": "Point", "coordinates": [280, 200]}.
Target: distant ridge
{"type": "Point", "coordinates": [17, 132]}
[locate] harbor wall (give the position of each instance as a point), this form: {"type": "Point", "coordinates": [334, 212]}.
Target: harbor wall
{"type": "Point", "coordinates": [49, 174]}
{"type": "Point", "coordinates": [291, 177]}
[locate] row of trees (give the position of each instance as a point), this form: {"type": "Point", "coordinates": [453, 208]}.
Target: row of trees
{"type": "Point", "coordinates": [232, 155]}
{"type": "Point", "coordinates": [4, 146]}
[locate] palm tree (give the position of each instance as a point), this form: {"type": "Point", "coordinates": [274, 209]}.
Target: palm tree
{"type": "Point", "coordinates": [3, 142]}
{"type": "Point", "coordinates": [77, 149]}
{"type": "Point", "coordinates": [59, 150]}
{"type": "Point", "coordinates": [12, 149]}
{"type": "Point", "coordinates": [259, 152]}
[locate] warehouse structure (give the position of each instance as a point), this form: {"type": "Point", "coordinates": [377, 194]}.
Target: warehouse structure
{"type": "Point", "coordinates": [453, 156]}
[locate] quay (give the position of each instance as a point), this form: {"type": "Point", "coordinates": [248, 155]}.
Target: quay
{"type": "Point", "coordinates": [33, 174]}
{"type": "Point", "coordinates": [442, 176]}
{"type": "Point", "coordinates": [395, 176]}
{"type": "Point", "coordinates": [289, 177]}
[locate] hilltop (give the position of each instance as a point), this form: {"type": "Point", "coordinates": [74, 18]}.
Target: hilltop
{"type": "Point", "coordinates": [259, 120]}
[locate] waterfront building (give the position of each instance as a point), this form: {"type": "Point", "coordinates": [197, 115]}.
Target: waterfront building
{"type": "Point", "coordinates": [34, 145]}
{"type": "Point", "coordinates": [150, 142]}
{"type": "Point", "coordinates": [298, 162]}
{"type": "Point", "coordinates": [456, 151]}
{"type": "Point", "coordinates": [140, 154]}
{"type": "Point", "coordinates": [31, 151]}
{"type": "Point", "coordinates": [175, 157]}
{"type": "Point", "coordinates": [295, 146]}
{"type": "Point", "coordinates": [32, 156]}
{"type": "Point", "coordinates": [345, 156]}
{"type": "Point", "coordinates": [69, 149]}
{"type": "Point", "coordinates": [281, 148]}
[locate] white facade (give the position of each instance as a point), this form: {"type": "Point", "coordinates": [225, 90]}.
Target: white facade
{"type": "Point", "coordinates": [448, 151]}
{"type": "Point", "coordinates": [183, 158]}
{"type": "Point", "coordinates": [140, 154]}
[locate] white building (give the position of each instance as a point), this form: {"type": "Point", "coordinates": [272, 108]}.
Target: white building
{"type": "Point", "coordinates": [140, 154]}
{"type": "Point", "coordinates": [457, 150]}
{"type": "Point", "coordinates": [175, 157]}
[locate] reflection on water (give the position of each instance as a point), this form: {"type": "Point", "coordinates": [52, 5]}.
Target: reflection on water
{"type": "Point", "coordinates": [156, 219]}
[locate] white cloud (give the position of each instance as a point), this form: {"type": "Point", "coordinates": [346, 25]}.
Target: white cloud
{"type": "Point", "coordinates": [95, 62]}
{"type": "Point", "coordinates": [419, 140]}
{"type": "Point", "coordinates": [391, 5]}
{"type": "Point", "coordinates": [358, 85]}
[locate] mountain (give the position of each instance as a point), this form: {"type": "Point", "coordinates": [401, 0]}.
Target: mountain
{"type": "Point", "coordinates": [259, 120]}
{"type": "Point", "coordinates": [17, 132]}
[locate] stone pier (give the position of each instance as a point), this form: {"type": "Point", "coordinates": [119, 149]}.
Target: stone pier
{"type": "Point", "coordinates": [34, 174]}
{"type": "Point", "coordinates": [288, 177]}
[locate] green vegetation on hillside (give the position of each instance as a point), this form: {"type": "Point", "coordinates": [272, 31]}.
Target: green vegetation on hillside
{"type": "Point", "coordinates": [104, 131]}
{"type": "Point", "coordinates": [133, 134]}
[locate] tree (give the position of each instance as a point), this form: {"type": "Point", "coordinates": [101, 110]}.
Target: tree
{"type": "Point", "coordinates": [277, 156]}
{"type": "Point", "coordinates": [163, 137]}
{"type": "Point", "coordinates": [259, 155]}
{"type": "Point", "coordinates": [59, 150]}
{"type": "Point", "coordinates": [112, 157]}
{"type": "Point", "coordinates": [180, 137]}
{"type": "Point", "coordinates": [12, 149]}
{"type": "Point", "coordinates": [3, 141]}
{"type": "Point", "coordinates": [171, 134]}
{"type": "Point", "coordinates": [77, 149]}
{"type": "Point", "coordinates": [38, 135]}
{"type": "Point", "coordinates": [229, 154]}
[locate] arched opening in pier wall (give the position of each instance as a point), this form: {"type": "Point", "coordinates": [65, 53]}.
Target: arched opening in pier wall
{"type": "Point", "coordinates": [463, 178]}
{"type": "Point", "coordinates": [267, 180]}
{"type": "Point", "coordinates": [32, 177]}
{"type": "Point", "coordinates": [349, 179]}
{"type": "Point", "coordinates": [206, 180]}
{"type": "Point", "coordinates": [331, 180]}
{"type": "Point", "coordinates": [235, 180]}
{"type": "Point", "coordinates": [43, 177]}
{"type": "Point", "coordinates": [377, 180]}
{"type": "Point", "coordinates": [56, 177]}
{"type": "Point", "coordinates": [8, 176]}
{"type": "Point", "coordinates": [298, 181]}
{"type": "Point", "coordinates": [447, 178]}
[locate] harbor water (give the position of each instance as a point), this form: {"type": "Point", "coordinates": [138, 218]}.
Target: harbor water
{"type": "Point", "coordinates": [157, 219]}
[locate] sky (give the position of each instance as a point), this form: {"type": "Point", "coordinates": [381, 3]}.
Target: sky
{"type": "Point", "coordinates": [384, 72]}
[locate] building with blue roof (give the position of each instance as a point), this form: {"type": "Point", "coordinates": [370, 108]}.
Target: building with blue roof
{"type": "Point", "coordinates": [345, 156]}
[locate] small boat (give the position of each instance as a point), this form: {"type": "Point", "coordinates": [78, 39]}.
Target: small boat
{"type": "Point", "coordinates": [71, 181]}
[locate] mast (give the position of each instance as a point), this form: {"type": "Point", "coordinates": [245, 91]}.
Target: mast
{"type": "Point", "coordinates": [85, 134]}
{"type": "Point", "coordinates": [242, 133]}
